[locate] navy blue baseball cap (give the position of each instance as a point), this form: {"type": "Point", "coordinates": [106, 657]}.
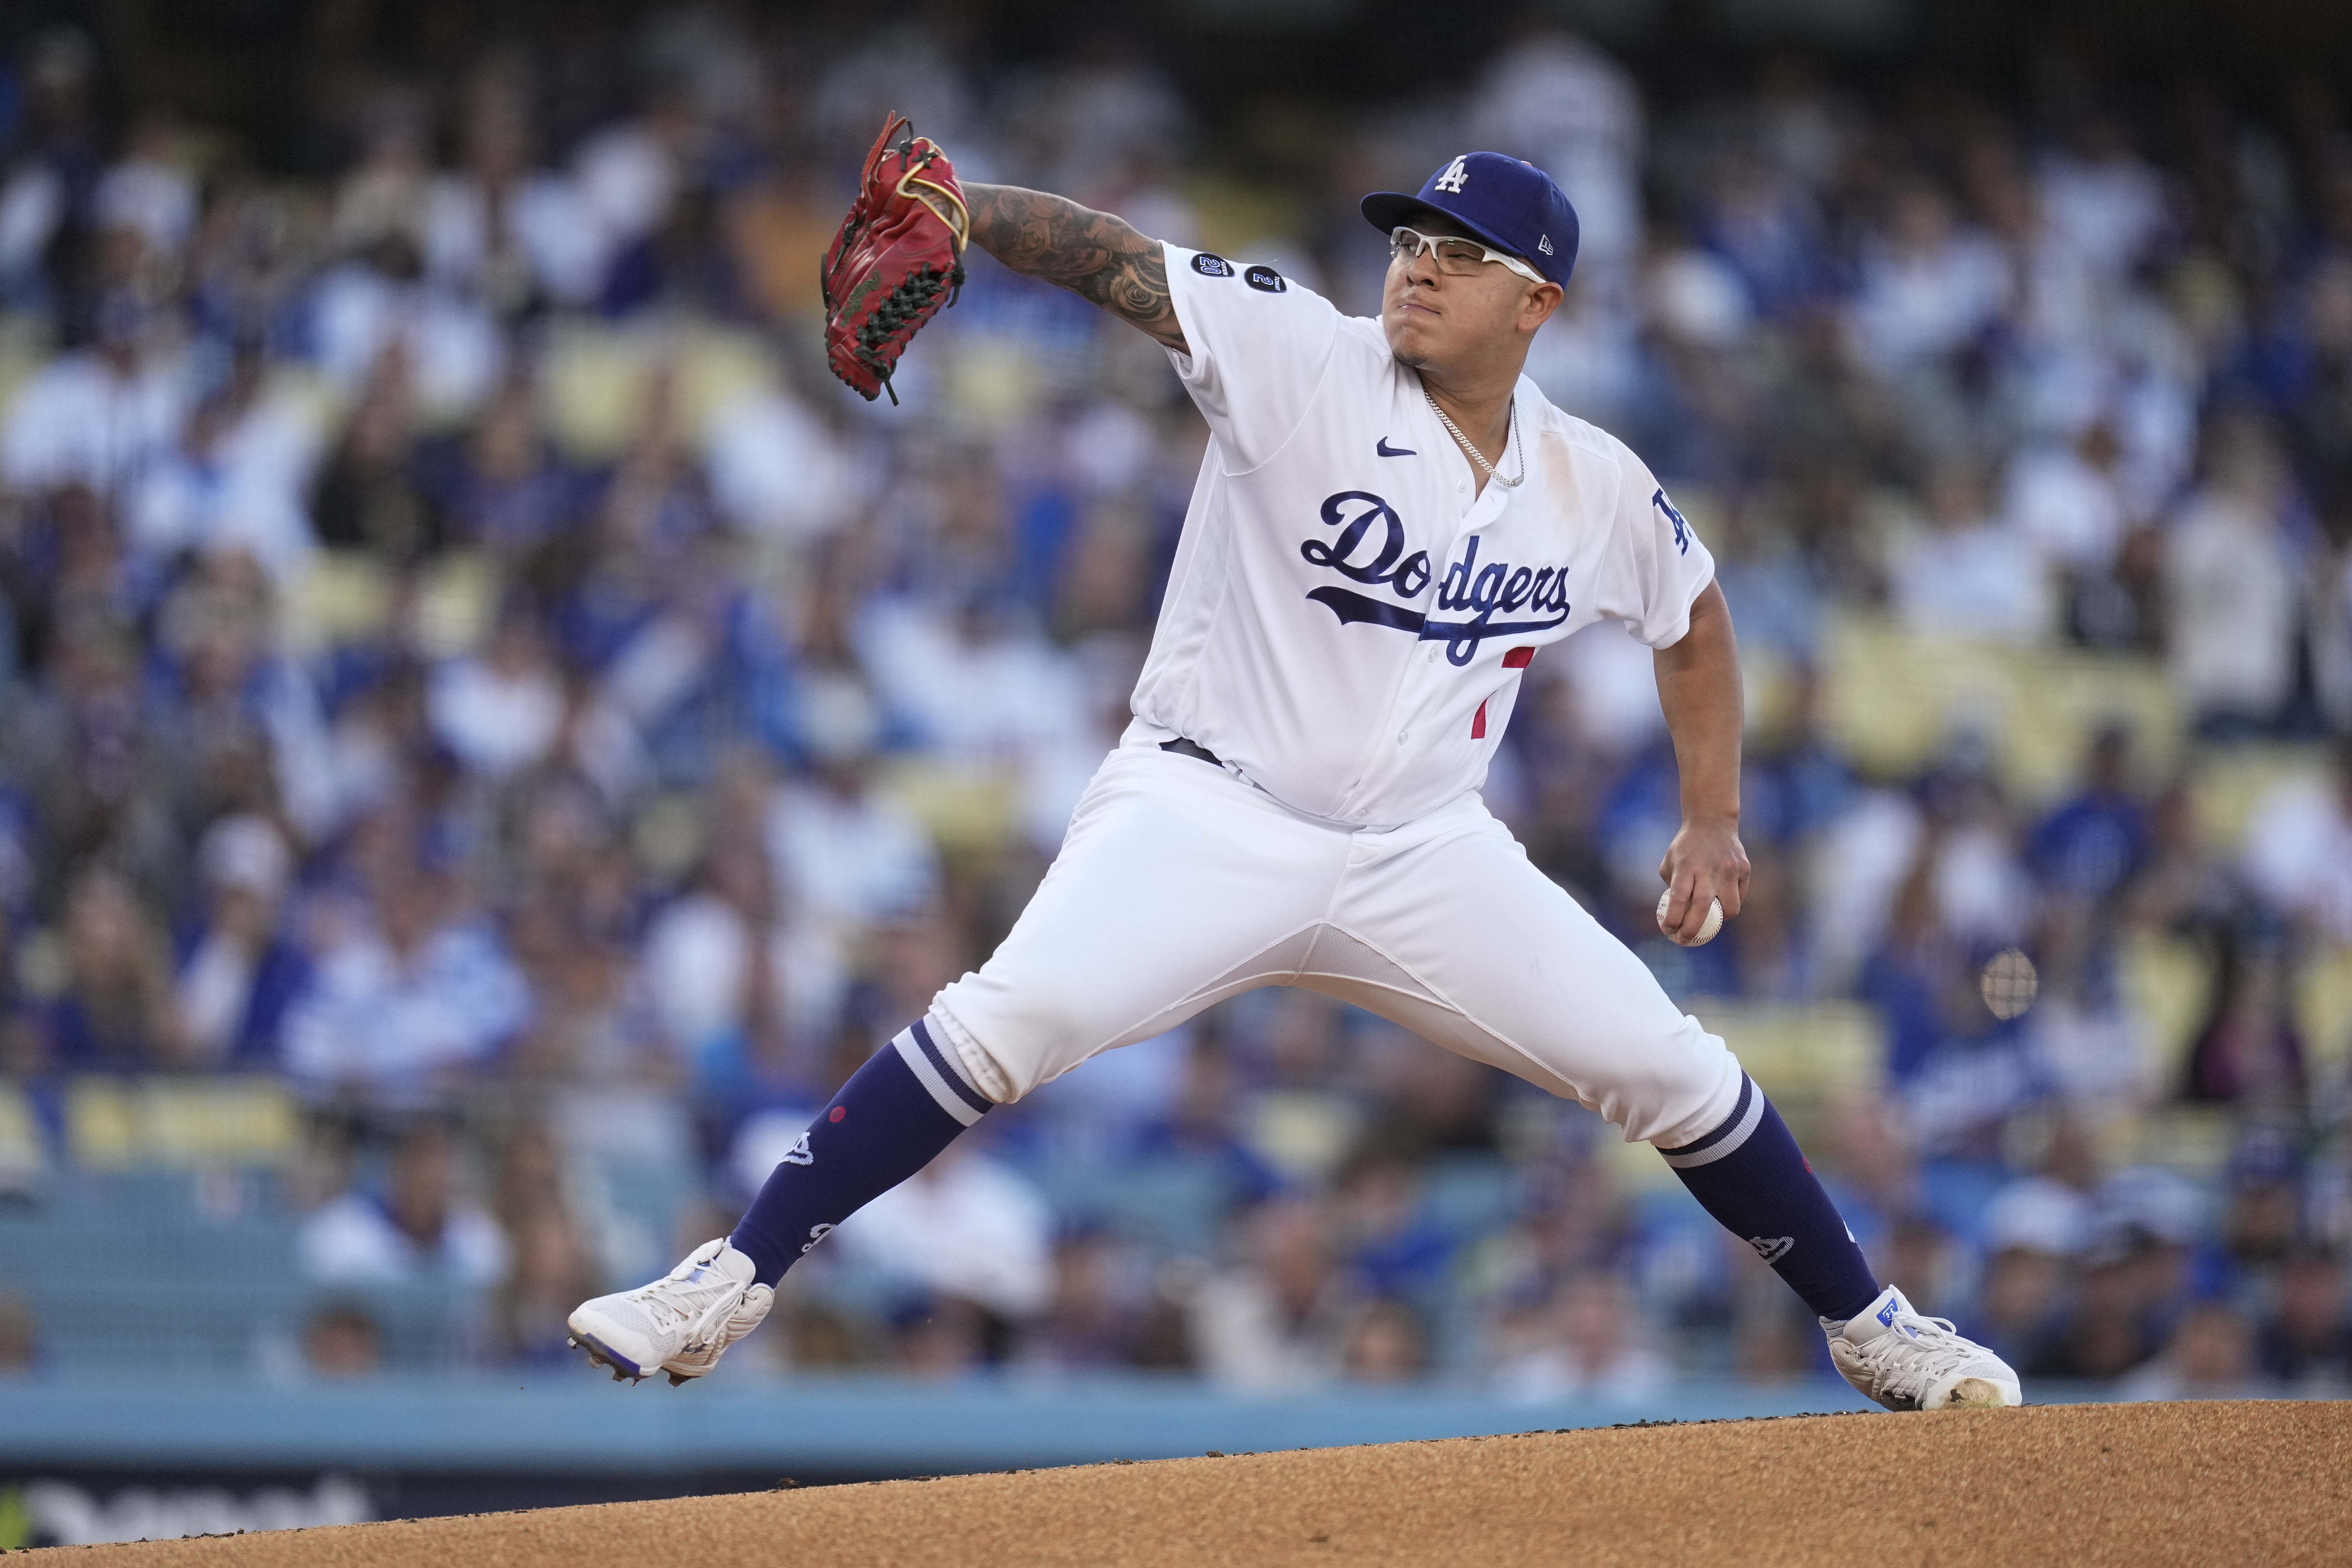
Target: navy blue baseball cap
{"type": "Point", "coordinates": [1508, 202]}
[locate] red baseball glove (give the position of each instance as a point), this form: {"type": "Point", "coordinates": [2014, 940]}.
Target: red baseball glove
{"type": "Point", "coordinates": [897, 261]}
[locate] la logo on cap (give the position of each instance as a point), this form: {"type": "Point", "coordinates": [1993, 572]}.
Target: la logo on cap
{"type": "Point", "coordinates": [1456, 175]}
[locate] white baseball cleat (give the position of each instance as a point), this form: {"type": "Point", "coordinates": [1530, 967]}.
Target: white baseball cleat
{"type": "Point", "coordinates": [1905, 1361]}
{"type": "Point", "coordinates": [681, 1323]}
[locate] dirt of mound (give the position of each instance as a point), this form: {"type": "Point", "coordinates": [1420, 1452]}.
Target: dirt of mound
{"type": "Point", "coordinates": [2083, 1485]}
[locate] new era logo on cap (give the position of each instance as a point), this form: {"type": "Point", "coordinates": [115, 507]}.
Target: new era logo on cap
{"type": "Point", "coordinates": [1544, 245]}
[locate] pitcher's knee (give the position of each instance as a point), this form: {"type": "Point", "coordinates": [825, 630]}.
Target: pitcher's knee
{"type": "Point", "coordinates": [1002, 1081]}
{"type": "Point", "coordinates": [1009, 1051]}
{"type": "Point", "coordinates": [1692, 1084]}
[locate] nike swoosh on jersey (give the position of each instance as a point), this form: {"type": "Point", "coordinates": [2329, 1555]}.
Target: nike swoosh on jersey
{"type": "Point", "coordinates": [1385, 450]}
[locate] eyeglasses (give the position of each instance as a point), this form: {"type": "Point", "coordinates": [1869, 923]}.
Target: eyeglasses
{"type": "Point", "coordinates": [1456, 257]}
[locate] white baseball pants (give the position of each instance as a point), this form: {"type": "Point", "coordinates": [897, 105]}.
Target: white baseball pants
{"type": "Point", "coordinates": [1180, 885]}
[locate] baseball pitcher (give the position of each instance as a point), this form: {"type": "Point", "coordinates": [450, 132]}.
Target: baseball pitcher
{"type": "Point", "coordinates": [1390, 524]}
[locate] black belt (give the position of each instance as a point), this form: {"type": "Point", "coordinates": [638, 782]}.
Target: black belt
{"type": "Point", "coordinates": [1184, 748]}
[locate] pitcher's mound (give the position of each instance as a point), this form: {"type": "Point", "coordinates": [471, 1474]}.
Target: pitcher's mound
{"type": "Point", "coordinates": [2239, 1483]}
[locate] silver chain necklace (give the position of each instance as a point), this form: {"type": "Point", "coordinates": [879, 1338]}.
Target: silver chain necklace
{"type": "Point", "coordinates": [1476, 456]}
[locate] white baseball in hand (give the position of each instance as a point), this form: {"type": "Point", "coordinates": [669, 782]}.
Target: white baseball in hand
{"type": "Point", "coordinates": [1705, 932]}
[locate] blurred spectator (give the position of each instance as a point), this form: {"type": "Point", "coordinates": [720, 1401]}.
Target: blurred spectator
{"type": "Point", "coordinates": [2249, 1051]}
{"type": "Point", "coordinates": [1964, 575]}
{"type": "Point", "coordinates": [148, 193]}
{"type": "Point", "coordinates": [233, 479]}
{"type": "Point", "coordinates": [97, 417]}
{"type": "Point", "coordinates": [1089, 1321]}
{"type": "Point", "coordinates": [2087, 1033]}
{"type": "Point", "coordinates": [418, 1228]}
{"type": "Point", "coordinates": [1386, 1343]}
{"type": "Point", "coordinates": [403, 1008]}
{"type": "Point", "coordinates": [502, 710]}
{"type": "Point", "coordinates": [2067, 501]}
{"type": "Point", "coordinates": [985, 693]}
{"type": "Point", "coordinates": [504, 489]}
{"type": "Point", "coordinates": [2264, 1216]}
{"type": "Point", "coordinates": [115, 1012]}
{"type": "Point", "coordinates": [342, 1341]}
{"type": "Point", "coordinates": [1929, 285]}
{"type": "Point", "coordinates": [2094, 843]}
{"type": "Point", "coordinates": [851, 855]}
{"type": "Point", "coordinates": [237, 974]}
{"type": "Point", "coordinates": [2210, 1356]}
{"type": "Point", "coordinates": [551, 1271]}
{"type": "Point", "coordinates": [2033, 1231]}
{"type": "Point", "coordinates": [1277, 1318]}
{"type": "Point", "coordinates": [2130, 1291]}
{"type": "Point", "coordinates": [1583, 1342]}
{"type": "Point", "coordinates": [591, 1021]}
{"type": "Point", "coordinates": [2298, 853]}
{"type": "Point", "coordinates": [1386, 1235]}
{"type": "Point", "coordinates": [1762, 221]}
{"type": "Point", "coordinates": [369, 496]}
{"type": "Point", "coordinates": [380, 326]}
{"type": "Point", "coordinates": [718, 961]}
{"type": "Point", "coordinates": [2306, 1344]}
{"type": "Point", "coordinates": [2065, 498]}
{"type": "Point", "coordinates": [1198, 1124]}
{"type": "Point", "coordinates": [2231, 577]}
{"type": "Point", "coordinates": [2103, 204]}
{"type": "Point", "coordinates": [1435, 1102]}
{"type": "Point", "coordinates": [1571, 1222]}
{"type": "Point", "coordinates": [943, 1338]}
{"type": "Point", "coordinates": [496, 227]}
{"type": "Point", "coordinates": [2106, 1331]}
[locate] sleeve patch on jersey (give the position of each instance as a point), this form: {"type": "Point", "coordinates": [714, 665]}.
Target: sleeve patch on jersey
{"type": "Point", "coordinates": [1265, 280]}
{"type": "Point", "coordinates": [1479, 725]}
{"type": "Point", "coordinates": [1518, 658]}
{"type": "Point", "coordinates": [1209, 264]}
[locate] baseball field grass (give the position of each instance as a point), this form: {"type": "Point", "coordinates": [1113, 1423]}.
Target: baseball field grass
{"type": "Point", "coordinates": [2232, 1483]}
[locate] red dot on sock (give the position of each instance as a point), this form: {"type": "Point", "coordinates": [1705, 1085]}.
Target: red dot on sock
{"type": "Point", "coordinates": [837, 1112]}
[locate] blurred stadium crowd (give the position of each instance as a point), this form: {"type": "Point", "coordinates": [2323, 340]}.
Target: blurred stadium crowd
{"type": "Point", "coordinates": [470, 682]}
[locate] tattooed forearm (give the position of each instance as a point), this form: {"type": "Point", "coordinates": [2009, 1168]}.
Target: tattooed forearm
{"type": "Point", "coordinates": [1091, 254]}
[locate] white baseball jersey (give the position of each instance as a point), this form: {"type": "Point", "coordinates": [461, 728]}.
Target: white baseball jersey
{"type": "Point", "coordinates": [1348, 617]}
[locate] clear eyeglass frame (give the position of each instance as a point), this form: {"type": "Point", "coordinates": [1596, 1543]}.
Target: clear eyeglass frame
{"type": "Point", "coordinates": [1456, 257]}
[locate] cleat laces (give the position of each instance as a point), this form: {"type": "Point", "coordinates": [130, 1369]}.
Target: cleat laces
{"type": "Point", "coordinates": [669, 1308]}
{"type": "Point", "coordinates": [1915, 1351]}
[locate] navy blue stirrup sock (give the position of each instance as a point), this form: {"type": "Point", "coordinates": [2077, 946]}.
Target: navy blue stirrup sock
{"type": "Point", "coordinates": [889, 1120]}
{"type": "Point", "coordinates": [1750, 1175]}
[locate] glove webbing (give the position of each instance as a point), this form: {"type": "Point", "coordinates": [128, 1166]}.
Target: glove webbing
{"type": "Point", "coordinates": [905, 304]}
